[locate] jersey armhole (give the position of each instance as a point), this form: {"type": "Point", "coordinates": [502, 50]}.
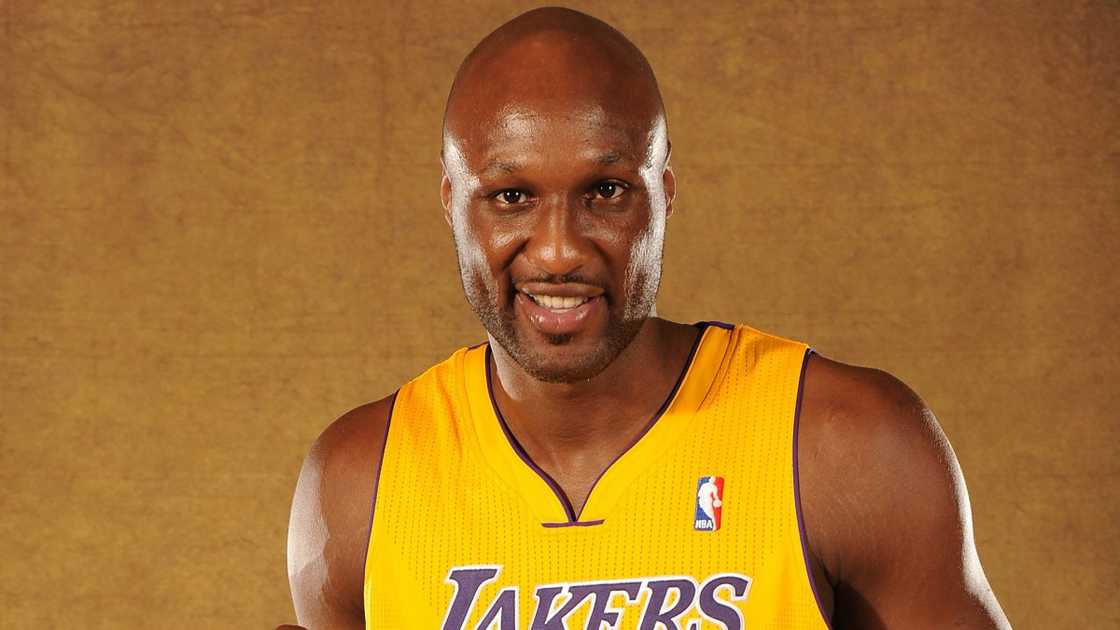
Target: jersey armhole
{"type": "Point", "coordinates": [805, 553]}
{"type": "Point", "coordinates": [373, 508]}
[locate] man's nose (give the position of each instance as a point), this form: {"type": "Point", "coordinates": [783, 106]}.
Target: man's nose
{"type": "Point", "coordinates": [558, 245]}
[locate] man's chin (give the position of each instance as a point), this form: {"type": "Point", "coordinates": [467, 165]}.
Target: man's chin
{"type": "Point", "coordinates": [558, 340]}
{"type": "Point", "coordinates": [563, 372]}
{"type": "Point", "coordinates": [562, 359]}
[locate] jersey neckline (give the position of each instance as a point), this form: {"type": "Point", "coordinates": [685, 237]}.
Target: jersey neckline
{"type": "Point", "coordinates": [544, 496]}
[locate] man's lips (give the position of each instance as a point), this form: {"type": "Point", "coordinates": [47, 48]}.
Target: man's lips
{"type": "Point", "coordinates": [567, 289]}
{"type": "Point", "coordinates": [561, 312]}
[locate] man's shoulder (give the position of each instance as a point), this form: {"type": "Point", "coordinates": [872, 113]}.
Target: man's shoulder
{"type": "Point", "coordinates": [353, 437]}
{"type": "Point", "coordinates": [344, 462]}
{"type": "Point", "coordinates": [859, 401]}
{"type": "Point", "coordinates": [361, 432]}
{"type": "Point", "coordinates": [865, 422]}
{"type": "Point", "coordinates": [364, 427]}
{"type": "Point", "coordinates": [874, 463]}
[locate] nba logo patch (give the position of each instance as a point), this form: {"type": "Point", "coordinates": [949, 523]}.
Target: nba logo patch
{"type": "Point", "coordinates": [709, 504]}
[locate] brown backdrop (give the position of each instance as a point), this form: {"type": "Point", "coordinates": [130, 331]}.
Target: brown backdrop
{"type": "Point", "coordinates": [220, 229]}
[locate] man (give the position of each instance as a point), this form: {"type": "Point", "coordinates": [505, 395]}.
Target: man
{"type": "Point", "coordinates": [592, 463]}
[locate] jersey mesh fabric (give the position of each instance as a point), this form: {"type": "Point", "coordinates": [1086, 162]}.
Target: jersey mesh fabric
{"type": "Point", "coordinates": [455, 495]}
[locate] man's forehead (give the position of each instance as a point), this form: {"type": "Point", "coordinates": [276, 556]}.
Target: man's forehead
{"type": "Point", "coordinates": [512, 164]}
{"type": "Point", "coordinates": [590, 132]}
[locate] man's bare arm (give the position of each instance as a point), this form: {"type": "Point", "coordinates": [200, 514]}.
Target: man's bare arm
{"type": "Point", "coordinates": [886, 509]}
{"type": "Point", "coordinates": [329, 526]}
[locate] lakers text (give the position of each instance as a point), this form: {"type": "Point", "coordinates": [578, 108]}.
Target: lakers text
{"type": "Point", "coordinates": [667, 601]}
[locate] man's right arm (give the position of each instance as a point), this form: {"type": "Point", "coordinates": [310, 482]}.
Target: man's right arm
{"type": "Point", "coordinates": [328, 531]}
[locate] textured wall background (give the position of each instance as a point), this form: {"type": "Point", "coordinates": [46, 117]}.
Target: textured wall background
{"type": "Point", "coordinates": [220, 228]}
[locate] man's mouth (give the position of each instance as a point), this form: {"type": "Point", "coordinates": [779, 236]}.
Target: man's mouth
{"type": "Point", "coordinates": [557, 303]}
{"type": "Point", "coordinates": [561, 309]}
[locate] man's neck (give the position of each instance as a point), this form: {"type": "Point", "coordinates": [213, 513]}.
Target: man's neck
{"type": "Point", "coordinates": [574, 430]}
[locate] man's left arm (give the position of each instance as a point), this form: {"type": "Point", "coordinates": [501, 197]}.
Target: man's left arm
{"type": "Point", "coordinates": [886, 508]}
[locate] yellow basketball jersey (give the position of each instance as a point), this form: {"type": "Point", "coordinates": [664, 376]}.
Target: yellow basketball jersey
{"type": "Point", "coordinates": [696, 526]}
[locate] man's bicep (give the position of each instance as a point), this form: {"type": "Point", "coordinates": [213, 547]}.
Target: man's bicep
{"type": "Point", "coordinates": [329, 525]}
{"type": "Point", "coordinates": [320, 574]}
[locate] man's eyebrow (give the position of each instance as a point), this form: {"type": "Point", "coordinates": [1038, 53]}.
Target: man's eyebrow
{"type": "Point", "coordinates": [501, 165]}
{"type": "Point", "coordinates": [611, 157]}
{"type": "Point", "coordinates": [505, 166]}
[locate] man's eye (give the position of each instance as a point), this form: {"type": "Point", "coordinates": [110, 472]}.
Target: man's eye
{"type": "Point", "coordinates": [608, 190]}
{"type": "Point", "coordinates": [512, 196]}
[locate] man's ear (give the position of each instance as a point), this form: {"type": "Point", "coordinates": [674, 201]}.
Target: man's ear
{"type": "Point", "coordinates": [669, 181]}
{"type": "Point", "coordinates": [445, 193]}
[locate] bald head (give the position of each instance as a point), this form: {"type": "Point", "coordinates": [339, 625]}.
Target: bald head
{"type": "Point", "coordinates": [552, 62]}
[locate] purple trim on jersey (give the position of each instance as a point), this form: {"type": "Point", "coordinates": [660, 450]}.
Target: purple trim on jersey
{"type": "Point", "coordinates": [575, 523]}
{"type": "Point", "coordinates": [573, 518]}
{"type": "Point", "coordinates": [377, 481]}
{"type": "Point", "coordinates": [717, 324]}
{"type": "Point", "coordinates": [797, 493]}
{"type": "Point", "coordinates": [568, 510]}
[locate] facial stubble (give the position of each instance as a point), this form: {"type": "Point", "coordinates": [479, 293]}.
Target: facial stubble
{"type": "Point", "coordinates": [499, 320]}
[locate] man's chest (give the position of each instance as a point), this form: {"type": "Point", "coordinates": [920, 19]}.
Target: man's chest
{"type": "Point", "coordinates": [672, 547]}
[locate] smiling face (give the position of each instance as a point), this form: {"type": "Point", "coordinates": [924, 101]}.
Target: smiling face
{"type": "Point", "coordinates": [557, 189]}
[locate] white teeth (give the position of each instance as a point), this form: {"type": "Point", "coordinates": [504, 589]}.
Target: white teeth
{"type": "Point", "coordinates": [556, 302]}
